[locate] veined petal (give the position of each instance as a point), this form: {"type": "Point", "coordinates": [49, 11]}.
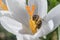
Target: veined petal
{"type": "Point", "coordinates": [10, 25]}
{"type": "Point", "coordinates": [41, 7]}
{"type": "Point", "coordinates": [19, 11]}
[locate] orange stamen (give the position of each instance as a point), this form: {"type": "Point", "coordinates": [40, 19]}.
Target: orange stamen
{"type": "Point", "coordinates": [33, 8]}
{"type": "Point", "coordinates": [0, 2]}
{"type": "Point", "coordinates": [33, 26]}
{"type": "Point", "coordinates": [3, 6]}
{"type": "Point", "coordinates": [30, 11]}
{"type": "Point", "coordinates": [31, 22]}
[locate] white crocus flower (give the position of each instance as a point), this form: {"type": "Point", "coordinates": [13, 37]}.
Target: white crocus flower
{"type": "Point", "coordinates": [18, 22]}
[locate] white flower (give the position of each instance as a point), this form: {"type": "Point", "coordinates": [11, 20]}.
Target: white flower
{"type": "Point", "coordinates": [17, 23]}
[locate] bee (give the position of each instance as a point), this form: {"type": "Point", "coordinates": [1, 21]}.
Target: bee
{"type": "Point", "coordinates": [35, 23]}
{"type": "Point", "coordinates": [37, 20]}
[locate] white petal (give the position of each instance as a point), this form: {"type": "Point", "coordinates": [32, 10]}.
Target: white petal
{"type": "Point", "coordinates": [19, 37]}
{"type": "Point", "coordinates": [0, 14]}
{"type": "Point", "coordinates": [21, 3]}
{"type": "Point", "coordinates": [55, 12]}
{"type": "Point", "coordinates": [33, 2]}
{"type": "Point", "coordinates": [19, 12]}
{"type": "Point", "coordinates": [25, 30]}
{"type": "Point", "coordinates": [10, 25]}
{"type": "Point", "coordinates": [41, 7]}
{"type": "Point", "coordinates": [31, 37]}
{"type": "Point", "coordinates": [5, 12]}
{"type": "Point", "coordinates": [53, 15]}
{"type": "Point", "coordinates": [26, 37]}
{"type": "Point", "coordinates": [51, 24]}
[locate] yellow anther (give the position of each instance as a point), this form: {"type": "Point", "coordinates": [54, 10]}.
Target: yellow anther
{"type": "Point", "coordinates": [3, 6]}
{"type": "Point", "coordinates": [33, 26]}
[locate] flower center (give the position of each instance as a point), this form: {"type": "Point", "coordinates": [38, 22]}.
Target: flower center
{"type": "Point", "coordinates": [3, 6]}
{"type": "Point", "coordinates": [35, 21]}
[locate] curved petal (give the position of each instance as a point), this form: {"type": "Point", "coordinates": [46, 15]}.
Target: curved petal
{"type": "Point", "coordinates": [10, 25]}
{"type": "Point", "coordinates": [41, 7]}
{"type": "Point", "coordinates": [53, 15]}
{"type": "Point", "coordinates": [19, 12]}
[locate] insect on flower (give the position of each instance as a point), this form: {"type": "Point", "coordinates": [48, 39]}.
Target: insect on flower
{"type": "Point", "coordinates": [33, 18]}
{"type": "Point", "coordinates": [38, 21]}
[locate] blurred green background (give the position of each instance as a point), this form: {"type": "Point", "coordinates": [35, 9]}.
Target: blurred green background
{"type": "Point", "coordinates": [4, 35]}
